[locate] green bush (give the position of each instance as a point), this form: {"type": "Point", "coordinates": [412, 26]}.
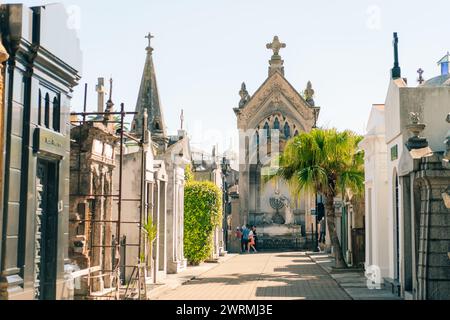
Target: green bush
{"type": "Point", "coordinates": [188, 174]}
{"type": "Point", "coordinates": [202, 214]}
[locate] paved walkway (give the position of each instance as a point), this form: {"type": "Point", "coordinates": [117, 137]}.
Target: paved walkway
{"type": "Point", "coordinates": [262, 276]}
{"type": "Point", "coordinates": [354, 282]}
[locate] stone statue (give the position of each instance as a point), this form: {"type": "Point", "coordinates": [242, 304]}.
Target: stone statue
{"type": "Point", "coordinates": [309, 94]}
{"type": "Point", "coordinates": [288, 211]}
{"type": "Point", "coordinates": [245, 97]}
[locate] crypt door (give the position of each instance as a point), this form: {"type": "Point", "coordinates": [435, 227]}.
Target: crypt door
{"type": "Point", "coordinates": [47, 193]}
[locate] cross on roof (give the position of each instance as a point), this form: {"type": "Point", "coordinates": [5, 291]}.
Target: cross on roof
{"type": "Point", "coordinates": [149, 37]}
{"type": "Point", "coordinates": [420, 72]}
{"type": "Point", "coordinates": [276, 45]}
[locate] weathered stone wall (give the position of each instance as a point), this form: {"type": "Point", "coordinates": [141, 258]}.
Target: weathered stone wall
{"type": "Point", "coordinates": [433, 265]}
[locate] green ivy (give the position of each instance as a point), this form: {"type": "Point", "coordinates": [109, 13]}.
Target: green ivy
{"type": "Point", "coordinates": [202, 214]}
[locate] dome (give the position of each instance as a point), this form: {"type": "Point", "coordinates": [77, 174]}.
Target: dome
{"type": "Point", "coordinates": [440, 81]}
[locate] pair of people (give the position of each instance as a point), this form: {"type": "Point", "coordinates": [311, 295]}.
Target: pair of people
{"type": "Point", "coordinates": [247, 236]}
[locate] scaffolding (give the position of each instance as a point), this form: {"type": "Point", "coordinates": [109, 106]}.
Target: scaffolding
{"type": "Point", "coordinates": [118, 244]}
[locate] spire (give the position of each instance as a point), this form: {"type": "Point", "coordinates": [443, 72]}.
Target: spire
{"type": "Point", "coordinates": [396, 71]}
{"type": "Point", "coordinates": [148, 99]}
{"type": "Point", "coordinates": [276, 63]}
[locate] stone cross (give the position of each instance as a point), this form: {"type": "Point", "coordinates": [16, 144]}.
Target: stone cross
{"type": "Point", "coordinates": [149, 37]}
{"type": "Point", "coordinates": [420, 72]}
{"type": "Point", "coordinates": [276, 45]}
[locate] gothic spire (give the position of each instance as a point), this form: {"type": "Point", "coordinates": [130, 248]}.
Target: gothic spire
{"type": "Point", "coordinates": [148, 99]}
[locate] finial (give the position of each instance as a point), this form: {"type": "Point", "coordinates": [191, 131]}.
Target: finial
{"type": "Point", "coordinates": [396, 71]}
{"type": "Point", "coordinates": [414, 117]}
{"type": "Point", "coordinates": [276, 63]}
{"type": "Point", "coordinates": [110, 88]}
{"type": "Point", "coordinates": [110, 104]}
{"type": "Point", "coordinates": [182, 118]}
{"type": "Point", "coordinates": [416, 128]}
{"type": "Point", "coordinates": [149, 36]}
{"type": "Point", "coordinates": [275, 46]}
{"type": "Point", "coordinates": [420, 79]}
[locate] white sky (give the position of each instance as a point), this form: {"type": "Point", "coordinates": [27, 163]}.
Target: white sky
{"type": "Point", "coordinates": [205, 49]}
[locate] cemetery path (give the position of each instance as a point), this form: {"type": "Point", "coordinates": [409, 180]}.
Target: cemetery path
{"type": "Point", "coordinates": [262, 276]}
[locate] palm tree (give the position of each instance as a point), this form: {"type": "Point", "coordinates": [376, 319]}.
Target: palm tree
{"type": "Point", "coordinates": [326, 162]}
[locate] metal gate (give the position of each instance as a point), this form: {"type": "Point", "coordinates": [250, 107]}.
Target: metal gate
{"type": "Point", "coordinates": [281, 244]}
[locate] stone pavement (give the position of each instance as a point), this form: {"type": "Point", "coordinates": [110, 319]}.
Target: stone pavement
{"type": "Point", "coordinates": [353, 282]}
{"type": "Point", "coordinates": [262, 276]}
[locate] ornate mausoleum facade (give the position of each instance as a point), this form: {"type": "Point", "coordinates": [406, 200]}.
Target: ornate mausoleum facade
{"type": "Point", "coordinates": [266, 121]}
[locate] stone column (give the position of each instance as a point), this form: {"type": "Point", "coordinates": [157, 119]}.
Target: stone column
{"type": "Point", "coordinates": [244, 193]}
{"type": "Point", "coordinates": [234, 243]}
{"type": "Point", "coordinates": [3, 57]}
{"type": "Point", "coordinates": [175, 220]}
{"type": "Point", "coordinates": [162, 228]}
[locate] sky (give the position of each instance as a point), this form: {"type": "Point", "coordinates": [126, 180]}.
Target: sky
{"type": "Point", "coordinates": [205, 49]}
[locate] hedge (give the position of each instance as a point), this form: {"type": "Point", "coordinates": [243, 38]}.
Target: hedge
{"type": "Point", "coordinates": [202, 214]}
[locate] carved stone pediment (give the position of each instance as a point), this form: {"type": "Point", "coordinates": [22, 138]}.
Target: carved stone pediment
{"type": "Point", "coordinates": [276, 94]}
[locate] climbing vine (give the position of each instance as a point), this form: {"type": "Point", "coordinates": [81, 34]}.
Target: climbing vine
{"type": "Point", "coordinates": [202, 214]}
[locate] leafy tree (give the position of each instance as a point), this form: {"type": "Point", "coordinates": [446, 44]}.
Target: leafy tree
{"type": "Point", "coordinates": [326, 162]}
{"type": "Point", "coordinates": [202, 214]}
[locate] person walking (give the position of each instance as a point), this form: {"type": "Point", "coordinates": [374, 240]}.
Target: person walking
{"type": "Point", "coordinates": [251, 241]}
{"type": "Point", "coordinates": [245, 234]}
{"type": "Point", "coordinates": [255, 236]}
{"type": "Point", "coordinates": [322, 225]}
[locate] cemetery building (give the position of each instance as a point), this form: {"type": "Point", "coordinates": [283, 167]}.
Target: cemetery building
{"type": "Point", "coordinates": [266, 120]}
{"type": "Point", "coordinates": [43, 62]}
{"type": "Point", "coordinates": [171, 155]}
{"type": "Point", "coordinates": [410, 217]}
{"type": "Point", "coordinates": [93, 161]}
